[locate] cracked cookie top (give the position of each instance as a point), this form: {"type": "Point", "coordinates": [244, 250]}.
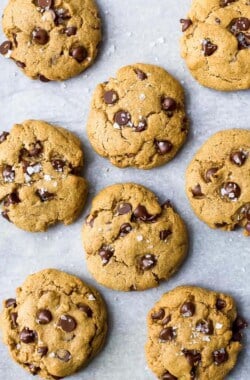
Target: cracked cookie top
{"type": "Point", "coordinates": [55, 325]}
{"type": "Point", "coordinates": [138, 118]}
{"type": "Point", "coordinates": [51, 39]}
{"type": "Point", "coordinates": [216, 43]}
{"type": "Point", "coordinates": [40, 182]}
{"type": "Point", "coordinates": [193, 333]}
{"type": "Point", "coordinates": [218, 180]}
{"type": "Point", "coordinates": [131, 241]}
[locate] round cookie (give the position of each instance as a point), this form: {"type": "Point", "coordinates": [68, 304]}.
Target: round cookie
{"type": "Point", "coordinates": [55, 325]}
{"type": "Point", "coordinates": [40, 182]}
{"type": "Point", "coordinates": [218, 180]}
{"type": "Point", "coordinates": [51, 39]}
{"type": "Point", "coordinates": [216, 43]}
{"type": "Point", "coordinates": [132, 242]}
{"type": "Point", "coordinates": [138, 118]}
{"type": "Point", "coordinates": [193, 333]}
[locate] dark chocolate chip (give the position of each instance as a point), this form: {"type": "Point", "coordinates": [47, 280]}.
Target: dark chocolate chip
{"type": "Point", "coordinates": [27, 336]}
{"type": "Point", "coordinates": [158, 315]}
{"type": "Point", "coordinates": [220, 304]}
{"type": "Point", "coordinates": [220, 356]}
{"type": "Point", "coordinates": [40, 36]}
{"type": "Point", "coordinates": [196, 191]}
{"type": "Point", "coordinates": [44, 3]}
{"type": "Point", "coordinates": [105, 253]}
{"type": "Point", "coordinates": [187, 309]}
{"type": "Point", "coordinates": [110, 97]}
{"type": "Point", "coordinates": [10, 302]}
{"type": "Point", "coordinates": [140, 213]}
{"type": "Point", "coordinates": [70, 31]}
{"type": "Point", "coordinates": [58, 165]}
{"type": "Point", "coordinates": [140, 74]}
{"type": "Point", "coordinates": [63, 355]}
{"type": "Point", "coordinates": [8, 174]}
{"type": "Point", "coordinates": [220, 225]}
{"type": "Point", "coordinates": [61, 15]}
{"type": "Point", "coordinates": [208, 47]}
{"type": "Point", "coordinates": [147, 262]}
{"type": "Point", "coordinates": [237, 336]}
{"type": "Point", "coordinates": [238, 158]}
{"type": "Point", "coordinates": [42, 351]}
{"type": "Point", "coordinates": [79, 53]}
{"type": "Point", "coordinates": [168, 376]}
{"type": "Point", "coordinates": [20, 64]}
{"type": "Point", "coordinates": [43, 79]}
{"type": "Point", "coordinates": [43, 316]}
{"type": "Point", "coordinates": [67, 323]}
{"type": "Point", "coordinates": [122, 118]}
{"type": "Point", "coordinates": [5, 47]}
{"type": "Point", "coordinates": [166, 320]}
{"type": "Point", "coordinates": [163, 147]}
{"type": "Point", "coordinates": [168, 104]}
{"type": "Point", "coordinates": [44, 195]}
{"type": "Point", "coordinates": [224, 3]}
{"type": "Point", "coordinates": [241, 24]}
{"type": "Point", "coordinates": [11, 199]}
{"type": "Point", "coordinates": [86, 309]}
{"type": "Point", "coordinates": [142, 126]}
{"type": "Point", "coordinates": [231, 190]}
{"type": "Point", "coordinates": [124, 208]}
{"type": "Point", "coordinates": [36, 149]}
{"type": "Point", "coordinates": [186, 23]}
{"type": "Point", "coordinates": [164, 234]}
{"type": "Point", "coordinates": [210, 174]}
{"type": "Point", "coordinates": [205, 327]}
{"type": "Point", "coordinates": [243, 40]}
{"type": "Point", "coordinates": [192, 356]}
{"type": "Point", "coordinates": [239, 324]}
{"type": "Point", "coordinates": [13, 317]}
{"type": "Point", "coordinates": [167, 334]}
{"type": "Point", "coordinates": [125, 229]}
{"type": "Point", "coordinates": [3, 136]}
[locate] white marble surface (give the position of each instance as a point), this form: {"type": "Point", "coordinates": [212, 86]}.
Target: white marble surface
{"type": "Point", "coordinates": [146, 31]}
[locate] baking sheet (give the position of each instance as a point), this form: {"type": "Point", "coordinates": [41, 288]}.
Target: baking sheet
{"type": "Point", "coordinates": [135, 31]}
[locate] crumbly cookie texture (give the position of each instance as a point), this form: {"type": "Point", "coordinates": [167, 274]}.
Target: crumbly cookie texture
{"type": "Point", "coordinates": [132, 242]}
{"type": "Point", "coordinates": [40, 182]}
{"type": "Point", "coordinates": [51, 39]}
{"type": "Point", "coordinates": [218, 181]}
{"type": "Point", "coordinates": [193, 333]}
{"type": "Point", "coordinates": [216, 43]}
{"type": "Point", "coordinates": [138, 118]}
{"type": "Point", "coordinates": [55, 325]}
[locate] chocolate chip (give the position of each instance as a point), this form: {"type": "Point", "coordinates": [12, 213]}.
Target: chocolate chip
{"type": "Point", "coordinates": [43, 79]}
{"type": "Point", "coordinates": [158, 315]}
{"type": "Point", "coordinates": [186, 23]}
{"type": "Point", "coordinates": [208, 47]}
{"type": "Point", "coordinates": [168, 104]}
{"type": "Point", "coordinates": [239, 324]}
{"type": "Point", "coordinates": [13, 317]}
{"type": "Point", "coordinates": [163, 147]}
{"type": "Point", "coordinates": [168, 376]}
{"type": "Point", "coordinates": [79, 53]}
{"type": "Point", "coordinates": [5, 215]}
{"type": "Point", "coordinates": [140, 74]}
{"type": "Point", "coordinates": [63, 355]}
{"type": "Point", "coordinates": [33, 369]}
{"type": "Point", "coordinates": [231, 190]}
{"type": "Point", "coordinates": [110, 97]}
{"type": "Point", "coordinates": [224, 3]}
{"type": "Point", "coordinates": [58, 165]}
{"type": "Point", "coordinates": [86, 309]}
{"type": "Point", "coordinates": [90, 220]}
{"type": "Point", "coordinates": [166, 320]}
{"type": "Point", "coordinates": [164, 234]}
{"type": "Point", "coordinates": [5, 47]}
{"type": "Point", "coordinates": [27, 335]}
{"type": "Point", "coordinates": [192, 356]}
{"type": "Point", "coordinates": [205, 327]}
{"type": "Point", "coordinates": [141, 213]}
{"type": "Point", "coordinates": [35, 149]}
{"type": "Point", "coordinates": [42, 351]}
{"type": "Point", "coordinates": [196, 191]}
{"type": "Point", "coordinates": [10, 302]}
{"type": "Point", "coordinates": [220, 304]}
{"type": "Point", "coordinates": [167, 334]}
{"type": "Point", "coordinates": [40, 36]}
{"type": "Point", "coordinates": [220, 225]}
{"type": "Point", "coordinates": [125, 229]}
{"type": "Point", "coordinates": [44, 3]}
{"type": "Point", "coordinates": [3, 136]}
{"type": "Point", "coordinates": [210, 174]}
{"type": "Point", "coordinates": [11, 199]}
{"type": "Point", "coordinates": [243, 40]}
{"type": "Point", "coordinates": [220, 356]}
{"type": "Point", "coordinates": [105, 253]}
{"type": "Point", "coordinates": [147, 262]}
{"type": "Point", "coordinates": [61, 15]}
{"type": "Point", "coordinates": [122, 118]}
{"type": "Point", "coordinates": [240, 24]}
{"type": "Point", "coordinates": [70, 31]}
{"type": "Point", "coordinates": [8, 174]}
{"type": "Point", "coordinates": [238, 158]}
{"type": "Point", "coordinates": [43, 317]}
{"type": "Point", "coordinates": [187, 309]}
{"type": "Point", "coordinates": [44, 195]}
{"type": "Point", "coordinates": [142, 126]}
{"type": "Point", "coordinates": [67, 323]}
{"type": "Point", "coordinates": [124, 208]}
{"type": "Point", "coordinates": [20, 64]}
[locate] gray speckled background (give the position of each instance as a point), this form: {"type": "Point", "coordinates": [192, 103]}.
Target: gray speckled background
{"type": "Point", "coordinates": [146, 31]}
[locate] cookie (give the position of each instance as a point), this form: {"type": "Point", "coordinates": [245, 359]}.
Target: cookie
{"type": "Point", "coordinates": [55, 325]}
{"type": "Point", "coordinates": [138, 118]}
{"type": "Point", "coordinates": [193, 333]}
{"type": "Point", "coordinates": [131, 241]}
{"type": "Point", "coordinates": [218, 181]}
{"type": "Point", "coordinates": [216, 43]}
{"type": "Point", "coordinates": [51, 39]}
{"type": "Point", "coordinates": [40, 182]}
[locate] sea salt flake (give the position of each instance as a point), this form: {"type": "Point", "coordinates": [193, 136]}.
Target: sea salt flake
{"type": "Point", "coordinates": [47, 177]}
{"type": "Point", "coordinates": [139, 238]}
{"type": "Point", "coordinates": [34, 169]}
{"type": "Point", "coordinates": [218, 326]}
{"type": "Point", "coordinates": [91, 297]}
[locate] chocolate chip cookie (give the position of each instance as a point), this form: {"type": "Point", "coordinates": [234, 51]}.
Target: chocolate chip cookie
{"type": "Point", "coordinates": [138, 118]}
{"type": "Point", "coordinates": [131, 241]}
{"type": "Point", "coordinates": [55, 325]}
{"type": "Point", "coordinates": [193, 333]}
{"type": "Point", "coordinates": [218, 181]}
{"type": "Point", "coordinates": [51, 39]}
{"type": "Point", "coordinates": [216, 43]}
{"type": "Point", "coordinates": [40, 182]}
